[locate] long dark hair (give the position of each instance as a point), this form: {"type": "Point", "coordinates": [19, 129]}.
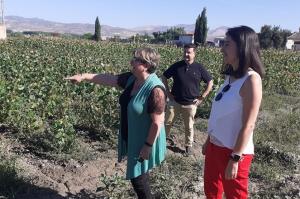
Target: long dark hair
{"type": "Point", "coordinates": [248, 52]}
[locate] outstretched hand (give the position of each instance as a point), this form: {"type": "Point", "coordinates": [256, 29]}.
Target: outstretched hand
{"type": "Point", "coordinates": [75, 78]}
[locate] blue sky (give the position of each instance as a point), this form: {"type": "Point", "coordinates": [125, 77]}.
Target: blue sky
{"type": "Point", "coordinates": [134, 13]}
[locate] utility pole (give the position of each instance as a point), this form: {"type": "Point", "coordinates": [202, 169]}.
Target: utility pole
{"type": "Point", "coordinates": [2, 24]}
{"type": "Point", "coordinates": [2, 12]}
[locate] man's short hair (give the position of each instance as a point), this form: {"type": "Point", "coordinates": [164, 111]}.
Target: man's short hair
{"type": "Point", "coordinates": [190, 46]}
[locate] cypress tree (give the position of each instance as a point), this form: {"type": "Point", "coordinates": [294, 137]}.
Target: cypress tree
{"type": "Point", "coordinates": [97, 35]}
{"type": "Point", "coordinates": [197, 31]}
{"type": "Point", "coordinates": [201, 28]}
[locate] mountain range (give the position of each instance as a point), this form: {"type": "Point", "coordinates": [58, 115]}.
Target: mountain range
{"type": "Point", "coordinates": [20, 24]}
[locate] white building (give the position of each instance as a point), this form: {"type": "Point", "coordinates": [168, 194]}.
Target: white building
{"type": "Point", "coordinates": [186, 39]}
{"type": "Point", "coordinates": [219, 41]}
{"type": "Point", "coordinates": [293, 41]}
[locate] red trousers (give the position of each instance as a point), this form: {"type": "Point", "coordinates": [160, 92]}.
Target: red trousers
{"type": "Point", "coordinates": [216, 160]}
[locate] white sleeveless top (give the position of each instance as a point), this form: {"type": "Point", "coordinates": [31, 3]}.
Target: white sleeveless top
{"type": "Point", "coordinates": [225, 120]}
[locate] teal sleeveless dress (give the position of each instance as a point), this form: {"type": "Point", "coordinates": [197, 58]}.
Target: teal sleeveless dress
{"type": "Point", "coordinates": [139, 122]}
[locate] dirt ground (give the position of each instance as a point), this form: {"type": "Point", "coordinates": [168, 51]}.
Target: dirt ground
{"type": "Point", "coordinates": [74, 179]}
{"type": "Point", "coordinates": [49, 179]}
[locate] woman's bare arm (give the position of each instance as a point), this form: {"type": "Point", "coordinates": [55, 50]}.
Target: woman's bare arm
{"type": "Point", "coordinates": [157, 118]}
{"type": "Point", "coordinates": [251, 93]}
{"type": "Point", "coordinates": [102, 79]}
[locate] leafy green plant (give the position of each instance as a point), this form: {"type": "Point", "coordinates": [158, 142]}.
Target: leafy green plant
{"type": "Point", "coordinates": [277, 137]}
{"type": "Point", "coordinates": [115, 186]}
{"type": "Point", "coordinates": [64, 134]}
{"type": "Point", "coordinates": [176, 177]}
{"type": "Point", "coordinates": [10, 183]}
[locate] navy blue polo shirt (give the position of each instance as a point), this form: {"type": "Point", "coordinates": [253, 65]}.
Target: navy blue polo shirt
{"type": "Point", "coordinates": [186, 81]}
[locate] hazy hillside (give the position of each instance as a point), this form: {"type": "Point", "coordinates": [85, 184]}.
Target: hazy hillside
{"type": "Point", "coordinates": [19, 24]}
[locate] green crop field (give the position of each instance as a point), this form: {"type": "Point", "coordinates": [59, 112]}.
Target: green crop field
{"type": "Point", "coordinates": [35, 98]}
{"type": "Point", "coordinates": [43, 109]}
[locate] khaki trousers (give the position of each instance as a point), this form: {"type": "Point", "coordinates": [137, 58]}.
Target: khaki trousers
{"type": "Point", "coordinates": [188, 114]}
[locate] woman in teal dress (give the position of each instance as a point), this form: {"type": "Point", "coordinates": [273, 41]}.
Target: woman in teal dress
{"type": "Point", "coordinates": [142, 133]}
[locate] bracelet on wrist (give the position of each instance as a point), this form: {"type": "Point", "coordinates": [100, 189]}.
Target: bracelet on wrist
{"type": "Point", "coordinates": [235, 157]}
{"type": "Point", "coordinates": [201, 97]}
{"type": "Point", "coordinates": [148, 144]}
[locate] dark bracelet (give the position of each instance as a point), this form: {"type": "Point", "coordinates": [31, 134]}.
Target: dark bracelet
{"type": "Point", "coordinates": [147, 144]}
{"type": "Point", "coordinates": [201, 97]}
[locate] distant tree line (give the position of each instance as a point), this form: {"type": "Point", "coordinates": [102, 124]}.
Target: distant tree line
{"type": "Point", "coordinates": [159, 37]}
{"type": "Point", "coordinates": [269, 37]}
{"type": "Point", "coordinates": [273, 37]}
{"type": "Point", "coordinates": [11, 33]}
{"type": "Point", "coordinates": [171, 34]}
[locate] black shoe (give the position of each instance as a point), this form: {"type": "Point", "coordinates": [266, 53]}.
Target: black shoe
{"type": "Point", "coordinates": [170, 141]}
{"type": "Point", "coordinates": [188, 151]}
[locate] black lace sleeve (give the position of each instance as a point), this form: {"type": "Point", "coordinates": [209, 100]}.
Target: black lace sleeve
{"type": "Point", "coordinates": [157, 100]}
{"type": "Point", "coordinates": [122, 79]}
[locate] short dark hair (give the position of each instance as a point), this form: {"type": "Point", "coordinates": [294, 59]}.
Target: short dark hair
{"type": "Point", "coordinates": [190, 46]}
{"type": "Point", "coordinates": [248, 52]}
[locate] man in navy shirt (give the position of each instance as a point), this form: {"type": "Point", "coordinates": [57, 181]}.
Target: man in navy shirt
{"type": "Point", "coordinates": [185, 94]}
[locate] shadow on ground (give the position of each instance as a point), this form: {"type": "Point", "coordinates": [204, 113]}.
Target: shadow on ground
{"type": "Point", "coordinates": [176, 149]}
{"type": "Point", "coordinates": [25, 190]}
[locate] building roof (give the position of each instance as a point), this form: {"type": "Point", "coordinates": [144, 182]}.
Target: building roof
{"type": "Point", "coordinates": [187, 34]}
{"type": "Point", "coordinates": [295, 36]}
{"type": "Point", "coordinates": [220, 37]}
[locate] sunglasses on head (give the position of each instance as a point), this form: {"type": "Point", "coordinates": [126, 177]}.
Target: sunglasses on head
{"type": "Point", "coordinates": [224, 90]}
